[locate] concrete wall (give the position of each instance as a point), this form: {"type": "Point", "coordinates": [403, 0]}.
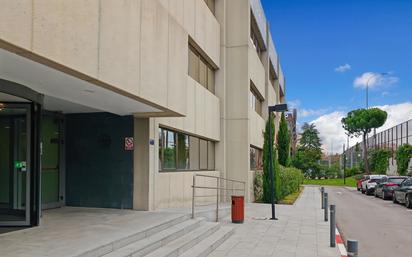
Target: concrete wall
{"type": "Point", "coordinates": [136, 47]}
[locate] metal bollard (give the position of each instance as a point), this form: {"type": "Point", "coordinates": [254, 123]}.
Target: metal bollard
{"type": "Point", "coordinates": [353, 248]}
{"type": "Point", "coordinates": [322, 191]}
{"type": "Point", "coordinates": [326, 206]}
{"type": "Point", "coordinates": [332, 225]}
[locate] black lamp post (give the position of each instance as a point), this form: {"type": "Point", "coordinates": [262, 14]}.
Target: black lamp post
{"type": "Point", "coordinates": [274, 108]}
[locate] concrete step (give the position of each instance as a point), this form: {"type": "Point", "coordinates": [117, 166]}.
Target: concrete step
{"type": "Point", "coordinates": [154, 241]}
{"type": "Point", "coordinates": [179, 246]}
{"type": "Point", "coordinates": [208, 245]}
{"type": "Point", "coordinates": [109, 247]}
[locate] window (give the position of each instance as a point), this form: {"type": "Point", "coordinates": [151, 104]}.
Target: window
{"type": "Point", "coordinates": [256, 158]}
{"type": "Point", "coordinates": [254, 36]}
{"type": "Point", "coordinates": [211, 5]}
{"type": "Point", "coordinates": [255, 101]}
{"type": "Point", "coordinates": [200, 70]}
{"type": "Point", "coordinates": [178, 151]}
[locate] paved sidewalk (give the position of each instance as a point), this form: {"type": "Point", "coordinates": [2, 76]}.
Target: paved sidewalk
{"type": "Point", "coordinates": [299, 232]}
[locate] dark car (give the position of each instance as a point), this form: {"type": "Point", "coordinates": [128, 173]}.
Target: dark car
{"type": "Point", "coordinates": [403, 194]}
{"type": "Point", "coordinates": [385, 187]}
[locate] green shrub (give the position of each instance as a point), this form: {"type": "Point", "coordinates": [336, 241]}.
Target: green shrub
{"type": "Point", "coordinates": [379, 160]}
{"type": "Point", "coordinates": [403, 157]}
{"type": "Point", "coordinates": [258, 186]}
{"type": "Point", "coordinates": [290, 179]}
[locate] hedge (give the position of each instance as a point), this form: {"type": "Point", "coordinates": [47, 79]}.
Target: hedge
{"type": "Point", "coordinates": [290, 181]}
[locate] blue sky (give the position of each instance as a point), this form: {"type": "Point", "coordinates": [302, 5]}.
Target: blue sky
{"type": "Point", "coordinates": [314, 37]}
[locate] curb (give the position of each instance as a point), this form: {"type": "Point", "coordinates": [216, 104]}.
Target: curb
{"type": "Point", "coordinates": [340, 244]}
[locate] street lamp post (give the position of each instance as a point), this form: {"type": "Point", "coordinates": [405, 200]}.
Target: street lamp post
{"type": "Point", "coordinates": [367, 86]}
{"type": "Point", "coordinates": [271, 109]}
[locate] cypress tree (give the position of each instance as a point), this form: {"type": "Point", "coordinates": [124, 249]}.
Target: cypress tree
{"type": "Point", "coordinates": [266, 158]}
{"type": "Point", "coordinates": [283, 142]}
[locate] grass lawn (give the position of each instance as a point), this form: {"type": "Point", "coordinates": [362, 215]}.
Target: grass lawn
{"type": "Point", "coordinates": [290, 199]}
{"type": "Point", "coordinates": [351, 182]}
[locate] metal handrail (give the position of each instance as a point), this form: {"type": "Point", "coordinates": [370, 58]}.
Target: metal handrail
{"type": "Point", "coordinates": [218, 188]}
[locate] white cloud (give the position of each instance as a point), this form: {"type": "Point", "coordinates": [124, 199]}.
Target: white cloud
{"type": "Point", "coordinates": [343, 68]}
{"type": "Point", "coordinates": [331, 131]}
{"type": "Point", "coordinates": [304, 113]}
{"type": "Point", "coordinates": [376, 80]}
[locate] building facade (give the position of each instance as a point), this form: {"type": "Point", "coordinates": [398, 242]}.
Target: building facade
{"type": "Point", "coordinates": [116, 104]}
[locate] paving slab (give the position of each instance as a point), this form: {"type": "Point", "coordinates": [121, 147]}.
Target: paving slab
{"type": "Point", "coordinates": [299, 232]}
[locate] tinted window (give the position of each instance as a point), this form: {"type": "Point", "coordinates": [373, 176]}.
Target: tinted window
{"type": "Point", "coordinates": [396, 180]}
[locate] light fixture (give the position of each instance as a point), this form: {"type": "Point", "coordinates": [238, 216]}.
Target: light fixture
{"type": "Point", "coordinates": [1, 106]}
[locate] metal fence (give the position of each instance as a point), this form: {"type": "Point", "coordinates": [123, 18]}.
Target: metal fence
{"type": "Point", "coordinates": [210, 188]}
{"type": "Point", "coordinates": [389, 139]}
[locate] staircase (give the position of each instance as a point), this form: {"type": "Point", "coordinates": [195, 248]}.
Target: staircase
{"type": "Point", "coordinates": [181, 237]}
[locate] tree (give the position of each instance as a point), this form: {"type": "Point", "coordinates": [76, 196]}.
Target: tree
{"type": "Point", "coordinates": [266, 162]}
{"type": "Point", "coordinates": [310, 137]}
{"type": "Point", "coordinates": [361, 122]}
{"type": "Point", "coordinates": [283, 142]}
{"type": "Point", "coordinates": [309, 151]}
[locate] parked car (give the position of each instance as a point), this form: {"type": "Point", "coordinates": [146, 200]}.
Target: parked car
{"type": "Point", "coordinates": [403, 193]}
{"type": "Point", "coordinates": [384, 188]}
{"type": "Point", "coordinates": [368, 185]}
{"type": "Point", "coordinates": [359, 183]}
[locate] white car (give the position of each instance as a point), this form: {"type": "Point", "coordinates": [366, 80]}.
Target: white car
{"type": "Point", "coordinates": [368, 186]}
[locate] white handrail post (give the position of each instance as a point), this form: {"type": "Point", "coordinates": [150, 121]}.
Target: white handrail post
{"type": "Point", "coordinates": [193, 195]}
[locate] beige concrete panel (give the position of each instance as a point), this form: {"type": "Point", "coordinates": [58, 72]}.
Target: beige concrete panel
{"type": "Point", "coordinates": [162, 190]}
{"type": "Point", "coordinates": [189, 120]}
{"type": "Point", "coordinates": [16, 22]}
{"type": "Point", "coordinates": [120, 43]}
{"type": "Point", "coordinates": [207, 31]}
{"type": "Point", "coordinates": [164, 3]}
{"type": "Point", "coordinates": [67, 32]}
{"type": "Point", "coordinates": [256, 128]}
{"type": "Point", "coordinates": [189, 16]}
{"type": "Point", "coordinates": [256, 71]}
{"type": "Point", "coordinates": [176, 9]}
{"type": "Point", "coordinates": [272, 96]}
{"type": "Point", "coordinates": [237, 23]}
{"type": "Point", "coordinates": [237, 149]}
{"type": "Point", "coordinates": [177, 67]}
{"type": "Point", "coordinates": [141, 165]}
{"type": "Point", "coordinates": [200, 116]}
{"type": "Point", "coordinates": [154, 51]}
{"type": "Point", "coordinates": [237, 83]}
{"type": "Point", "coordinates": [177, 188]}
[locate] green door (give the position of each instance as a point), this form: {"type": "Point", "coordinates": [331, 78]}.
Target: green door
{"type": "Point", "coordinates": [50, 162]}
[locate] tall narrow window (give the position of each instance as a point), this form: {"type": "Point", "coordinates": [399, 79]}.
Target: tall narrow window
{"type": "Point", "coordinates": [194, 153]}
{"type": "Point", "coordinates": [203, 154]}
{"type": "Point", "coordinates": [182, 151]}
{"type": "Point", "coordinates": [169, 152]}
{"type": "Point", "coordinates": [255, 101]}
{"type": "Point", "coordinates": [211, 155]}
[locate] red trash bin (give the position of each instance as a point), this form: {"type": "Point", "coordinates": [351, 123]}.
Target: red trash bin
{"type": "Point", "coordinates": [238, 209]}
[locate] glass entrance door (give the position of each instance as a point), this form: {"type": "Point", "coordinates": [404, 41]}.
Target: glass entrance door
{"type": "Point", "coordinates": [15, 141]}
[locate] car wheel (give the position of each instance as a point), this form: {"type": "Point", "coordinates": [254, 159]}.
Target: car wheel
{"type": "Point", "coordinates": [384, 196]}
{"type": "Point", "coordinates": [408, 202]}
{"type": "Point", "coordinates": [375, 194]}
{"type": "Point", "coordinates": [394, 198]}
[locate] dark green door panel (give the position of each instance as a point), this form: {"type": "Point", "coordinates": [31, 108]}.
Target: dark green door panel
{"type": "Point", "coordinates": [50, 160]}
{"type": "Point", "coordinates": [99, 171]}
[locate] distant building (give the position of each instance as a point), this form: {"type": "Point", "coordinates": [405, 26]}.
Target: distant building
{"type": "Point", "coordinates": [291, 118]}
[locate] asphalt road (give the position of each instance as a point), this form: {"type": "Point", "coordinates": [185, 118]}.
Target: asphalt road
{"type": "Point", "coordinates": [382, 228]}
